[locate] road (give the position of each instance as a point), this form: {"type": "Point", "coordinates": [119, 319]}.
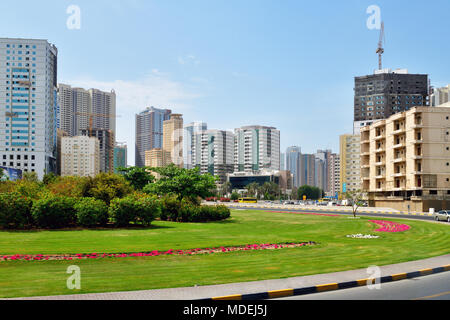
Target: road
{"type": "Point", "coordinates": [431, 287]}
{"type": "Point", "coordinates": [325, 211]}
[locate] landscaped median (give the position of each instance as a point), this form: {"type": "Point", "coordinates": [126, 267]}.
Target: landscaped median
{"type": "Point", "coordinates": [333, 251]}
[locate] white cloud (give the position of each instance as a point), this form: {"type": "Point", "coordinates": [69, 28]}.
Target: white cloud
{"type": "Point", "coordinates": [188, 59]}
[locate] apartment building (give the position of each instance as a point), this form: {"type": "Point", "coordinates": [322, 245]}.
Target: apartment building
{"type": "Point", "coordinates": [440, 96]}
{"type": "Point", "coordinates": [188, 141]}
{"type": "Point", "coordinates": [405, 160]}
{"type": "Point", "coordinates": [28, 112]}
{"type": "Point", "coordinates": [173, 138]}
{"type": "Point", "coordinates": [350, 169]}
{"type": "Point", "coordinates": [80, 156]}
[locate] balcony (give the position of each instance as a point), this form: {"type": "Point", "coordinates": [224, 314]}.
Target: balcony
{"type": "Point", "coordinates": [417, 157]}
{"type": "Point", "coordinates": [380, 163]}
{"type": "Point", "coordinates": [381, 149]}
{"type": "Point", "coordinates": [399, 145]}
{"type": "Point", "coordinates": [398, 174]}
{"type": "Point", "coordinates": [398, 131]}
{"type": "Point", "coordinates": [380, 176]}
{"type": "Point", "coordinates": [400, 159]}
{"type": "Point", "coordinates": [417, 141]}
{"type": "Point", "coordinates": [380, 137]}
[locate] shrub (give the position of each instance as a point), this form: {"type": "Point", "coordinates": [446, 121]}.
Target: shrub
{"type": "Point", "coordinates": [91, 212]}
{"type": "Point", "coordinates": [54, 212]}
{"type": "Point", "coordinates": [170, 207]}
{"type": "Point", "coordinates": [106, 187]}
{"type": "Point", "coordinates": [67, 186]}
{"type": "Point", "coordinates": [189, 212]}
{"type": "Point", "coordinates": [15, 211]}
{"type": "Point", "coordinates": [137, 209]}
{"type": "Point", "coordinates": [234, 196]}
{"type": "Point", "coordinates": [29, 189]}
{"type": "Point", "coordinates": [224, 200]}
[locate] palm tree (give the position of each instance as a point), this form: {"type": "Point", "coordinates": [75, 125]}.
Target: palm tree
{"type": "Point", "coordinates": [252, 189]}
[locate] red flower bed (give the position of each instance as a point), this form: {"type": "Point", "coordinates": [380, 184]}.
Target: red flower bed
{"type": "Point", "coordinates": [311, 213]}
{"type": "Point", "coordinates": [389, 226]}
{"type": "Point", "coordinates": [154, 253]}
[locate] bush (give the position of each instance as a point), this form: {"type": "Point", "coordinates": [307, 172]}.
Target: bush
{"type": "Point", "coordinates": [106, 187]}
{"type": "Point", "coordinates": [68, 186]}
{"type": "Point", "coordinates": [189, 212]}
{"type": "Point", "coordinates": [170, 208]}
{"type": "Point", "coordinates": [15, 211]}
{"type": "Point", "coordinates": [91, 212]}
{"type": "Point", "coordinates": [54, 212]}
{"type": "Point", "coordinates": [224, 199]}
{"type": "Point", "coordinates": [136, 209]}
{"type": "Point", "coordinates": [235, 196]}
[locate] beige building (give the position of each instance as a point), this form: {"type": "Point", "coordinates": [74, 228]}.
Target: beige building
{"type": "Point", "coordinates": [157, 158]}
{"type": "Point", "coordinates": [440, 96]}
{"type": "Point", "coordinates": [405, 160]}
{"type": "Point", "coordinates": [80, 156]}
{"type": "Point", "coordinates": [173, 138]}
{"type": "Point", "coordinates": [350, 168]}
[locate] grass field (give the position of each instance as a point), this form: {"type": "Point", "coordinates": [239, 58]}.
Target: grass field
{"type": "Point", "coordinates": [335, 252]}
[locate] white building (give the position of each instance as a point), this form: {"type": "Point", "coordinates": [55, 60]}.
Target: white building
{"type": "Point", "coordinates": [213, 152]}
{"type": "Point", "coordinates": [188, 141]}
{"type": "Point", "coordinates": [440, 96]}
{"type": "Point", "coordinates": [256, 148]}
{"type": "Point", "coordinates": [80, 156]}
{"type": "Point", "coordinates": [29, 104]}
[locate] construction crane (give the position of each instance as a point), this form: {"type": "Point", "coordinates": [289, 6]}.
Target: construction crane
{"type": "Point", "coordinates": [91, 118]}
{"type": "Point", "coordinates": [380, 49]}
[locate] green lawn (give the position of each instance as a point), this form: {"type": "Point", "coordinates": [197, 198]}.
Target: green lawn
{"type": "Point", "coordinates": [335, 252]}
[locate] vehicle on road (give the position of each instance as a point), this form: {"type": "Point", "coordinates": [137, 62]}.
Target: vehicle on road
{"type": "Point", "coordinates": [443, 215]}
{"type": "Point", "coordinates": [248, 200]}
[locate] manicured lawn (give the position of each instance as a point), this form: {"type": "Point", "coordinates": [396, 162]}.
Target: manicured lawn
{"type": "Point", "coordinates": [335, 252]}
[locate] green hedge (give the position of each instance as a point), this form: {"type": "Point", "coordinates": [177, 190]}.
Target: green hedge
{"type": "Point", "coordinates": [134, 209]}
{"type": "Point", "coordinates": [192, 213]}
{"type": "Point", "coordinates": [15, 211]}
{"type": "Point", "coordinates": [91, 212]}
{"type": "Point", "coordinates": [54, 212]}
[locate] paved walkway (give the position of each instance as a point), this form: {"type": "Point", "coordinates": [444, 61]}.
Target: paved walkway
{"type": "Point", "coordinates": [204, 292]}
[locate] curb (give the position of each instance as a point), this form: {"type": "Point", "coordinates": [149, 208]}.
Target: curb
{"type": "Point", "coordinates": [328, 287]}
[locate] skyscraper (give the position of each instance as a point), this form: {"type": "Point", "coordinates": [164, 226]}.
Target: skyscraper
{"type": "Point", "coordinates": [440, 96]}
{"type": "Point", "coordinates": [350, 171]}
{"type": "Point", "coordinates": [213, 152]}
{"type": "Point", "coordinates": [385, 93]}
{"type": "Point", "coordinates": [307, 170]}
{"type": "Point", "coordinates": [293, 164]}
{"type": "Point", "coordinates": [120, 156]}
{"type": "Point", "coordinates": [149, 132]}
{"type": "Point", "coordinates": [28, 112]}
{"type": "Point", "coordinates": [107, 142]}
{"type": "Point", "coordinates": [188, 141]}
{"type": "Point", "coordinates": [173, 138]}
{"type": "Point", "coordinates": [257, 148]}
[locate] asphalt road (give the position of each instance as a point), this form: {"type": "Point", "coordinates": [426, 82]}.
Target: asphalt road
{"type": "Point", "coordinates": [431, 287]}
{"type": "Point", "coordinates": [384, 215]}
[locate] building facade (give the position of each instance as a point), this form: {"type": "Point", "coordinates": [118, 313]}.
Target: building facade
{"type": "Point", "coordinates": [440, 96]}
{"type": "Point", "coordinates": [120, 156]}
{"type": "Point", "coordinates": [28, 112]}
{"type": "Point", "coordinates": [173, 138]}
{"type": "Point", "coordinates": [350, 158]}
{"type": "Point", "coordinates": [213, 152]}
{"type": "Point", "coordinates": [405, 160]}
{"type": "Point", "coordinates": [106, 140]}
{"type": "Point", "coordinates": [334, 167]}
{"type": "Point", "coordinates": [149, 132]}
{"type": "Point", "coordinates": [188, 141]}
{"type": "Point", "coordinates": [256, 148]}
{"type": "Point", "coordinates": [293, 155]}
{"type": "Point", "coordinates": [386, 92]}
{"type": "Point", "coordinates": [307, 170]}
{"type": "Point", "coordinates": [80, 156]}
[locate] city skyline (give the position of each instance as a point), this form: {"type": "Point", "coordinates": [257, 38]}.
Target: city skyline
{"type": "Point", "coordinates": [220, 70]}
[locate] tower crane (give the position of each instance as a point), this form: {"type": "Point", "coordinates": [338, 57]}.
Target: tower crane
{"type": "Point", "coordinates": [91, 118]}
{"type": "Point", "coordinates": [380, 49]}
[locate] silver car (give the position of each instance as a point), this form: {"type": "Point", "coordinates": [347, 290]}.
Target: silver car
{"type": "Point", "coordinates": [442, 215]}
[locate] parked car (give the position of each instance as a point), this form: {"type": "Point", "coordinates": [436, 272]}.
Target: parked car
{"type": "Point", "coordinates": [442, 215]}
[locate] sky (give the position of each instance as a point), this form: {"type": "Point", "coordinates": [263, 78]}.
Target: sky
{"type": "Point", "coordinates": [289, 64]}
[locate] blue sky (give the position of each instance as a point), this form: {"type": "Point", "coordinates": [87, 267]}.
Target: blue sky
{"type": "Point", "coordinates": [287, 63]}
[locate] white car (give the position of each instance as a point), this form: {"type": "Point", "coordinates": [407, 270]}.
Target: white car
{"type": "Point", "coordinates": [442, 215]}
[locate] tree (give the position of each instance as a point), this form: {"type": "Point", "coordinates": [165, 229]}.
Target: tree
{"type": "Point", "coordinates": [312, 193]}
{"type": "Point", "coordinates": [226, 189]}
{"type": "Point", "coordinates": [2, 178]}
{"type": "Point", "coordinates": [252, 189]}
{"type": "Point", "coordinates": [138, 177]}
{"type": "Point", "coordinates": [106, 186]}
{"type": "Point", "coordinates": [356, 198]}
{"type": "Point", "coordinates": [270, 190]}
{"type": "Point", "coordinates": [30, 177]}
{"type": "Point", "coordinates": [235, 196]}
{"type": "Point", "coordinates": [187, 184]}
{"type": "Point", "coordinates": [49, 178]}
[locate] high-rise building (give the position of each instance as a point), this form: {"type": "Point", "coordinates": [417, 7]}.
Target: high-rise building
{"type": "Point", "coordinates": [188, 141]}
{"type": "Point", "coordinates": [319, 173]}
{"type": "Point", "coordinates": [107, 142]}
{"type": "Point", "coordinates": [77, 107]}
{"type": "Point", "coordinates": [60, 134]}
{"type": "Point", "coordinates": [28, 108]}
{"type": "Point", "coordinates": [120, 156]}
{"type": "Point", "coordinates": [324, 182]}
{"type": "Point", "coordinates": [173, 138]}
{"type": "Point", "coordinates": [80, 156]}
{"type": "Point", "coordinates": [350, 170]}
{"type": "Point", "coordinates": [213, 152]}
{"type": "Point", "coordinates": [256, 148]}
{"type": "Point", "coordinates": [293, 164]}
{"type": "Point", "coordinates": [405, 160]}
{"type": "Point", "coordinates": [334, 174]}
{"type": "Point", "coordinates": [307, 170]}
{"type": "Point", "coordinates": [282, 161]}
{"type": "Point", "coordinates": [149, 132]}
{"type": "Point", "coordinates": [440, 96]}
{"type": "Point", "coordinates": [386, 92]}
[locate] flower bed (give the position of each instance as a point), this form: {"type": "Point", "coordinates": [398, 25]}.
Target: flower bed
{"type": "Point", "coordinates": [389, 226]}
{"type": "Point", "coordinates": [154, 253]}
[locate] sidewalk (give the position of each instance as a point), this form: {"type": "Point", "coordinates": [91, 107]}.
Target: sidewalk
{"type": "Point", "coordinates": [254, 287]}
